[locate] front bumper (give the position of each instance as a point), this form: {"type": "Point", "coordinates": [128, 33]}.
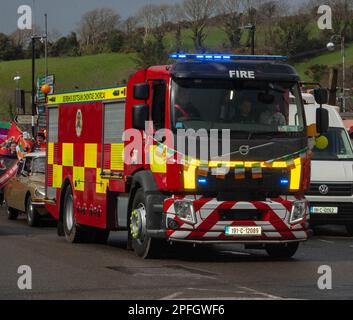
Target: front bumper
{"type": "Point", "coordinates": [39, 205]}
{"type": "Point", "coordinates": [271, 215]}
{"type": "Point", "coordinates": [343, 217]}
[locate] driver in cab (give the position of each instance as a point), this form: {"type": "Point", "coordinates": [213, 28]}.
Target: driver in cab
{"type": "Point", "coordinates": [184, 109]}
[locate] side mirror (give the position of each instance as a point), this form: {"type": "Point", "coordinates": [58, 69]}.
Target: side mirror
{"type": "Point", "coordinates": [322, 120]}
{"type": "Point", "coordinates": [321, 96]}
{"type": "Point", "coordinates": [140, 114]}
{"type": "Point", "coordinates": [141, 91]}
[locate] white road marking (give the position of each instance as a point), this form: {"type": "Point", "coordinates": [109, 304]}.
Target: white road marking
{"type": "Point", "coordinates": [326, 241]}
{"type": "Point", "coordinates": [172, 296]}
{"type": "Point", "coordinates": [243, 290]}
{"type": "Point", "coordinates": [267, 295]}
{"type": "Point", "coordinates": [236, 253]}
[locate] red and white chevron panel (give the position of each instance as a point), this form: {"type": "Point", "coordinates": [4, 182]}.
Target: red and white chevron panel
{"type": "Point", "coordinates": [209, 226]}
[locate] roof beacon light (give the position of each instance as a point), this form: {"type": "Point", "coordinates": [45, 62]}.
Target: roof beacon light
{"type": "Point", "coordinates": [227, 57]}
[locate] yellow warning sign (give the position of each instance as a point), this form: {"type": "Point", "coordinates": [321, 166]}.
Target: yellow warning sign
{"type": "Point", "coordinates": [88, 96]}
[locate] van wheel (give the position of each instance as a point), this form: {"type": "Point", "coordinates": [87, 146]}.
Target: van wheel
{"type": "Point", "coordinates": [72, 231]}
{"type": "Point", "coordinates": [349, 228]}
{"type": "Point", "coordinates": [143, 245]}
{"type": "Point", "coordinates": [282, 251]}
{"type": "Point", "coordinates": [33, 217]}
{"type": "Point", "coordinates": [12, 214]}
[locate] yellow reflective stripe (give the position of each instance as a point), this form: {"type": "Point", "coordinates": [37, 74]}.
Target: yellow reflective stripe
{"type": "Point", "coordinates": [57, 176]}
{"type": "Point", "coordinates": [50, 153]}
{"type": "Point", "coordinates": [295, 175]}
{"type": "Point", "coordinates": [247, 164]}
{"type": "Point", "coordinates": [190, 177]}
{"type": "Point", "coordinates": [91, 156]}
{"type": "Point", "coordinates": [68, 155]}
{"type": "Point", "coordinates": [117, 157]}
{"type": "Point", "coordinates": [79, 178]}
{"type": "Point", "coordinates": [158, 163]}
{"type": "Point", "coordinates": [91, 95]}
{"type": "Point", "coordinates": [101, 184]}
{"type": "Point", "coordinates": [190, 171]}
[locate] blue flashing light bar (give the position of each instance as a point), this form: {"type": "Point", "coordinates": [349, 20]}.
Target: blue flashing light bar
{"type": "Point", "coordinates": [224, 57]}
{"type": "Point", "coordinates": [284, 182]}
{"type": "Point", "coordinates": [202, 181]}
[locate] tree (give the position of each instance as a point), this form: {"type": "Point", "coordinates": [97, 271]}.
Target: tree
{"type": "Point", "coordinates": [95, 28]}
{"type": "Point", "coordinates": [231, 20]}
{"type": "Point", "coordinates": [293, 35]}
{"type": "Point", "coordinates": [130, 30]}
{"type": "Point", "coordinates": [269, 11]}
{"type": "Point", "coordinates": [155, 20]}
{"type": "Point", "coordinates": [7, 49]}
{"type": "Point", "coordinates": [177, 17]}
{"type": "Point", "coordinates": [198, 12]}
{"type": "Point", "coordinates": [66, 46]}
{"type": "Point", "coordinates": [316, 72]}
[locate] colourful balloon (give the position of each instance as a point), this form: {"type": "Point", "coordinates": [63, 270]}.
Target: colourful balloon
{"type": "Point", "coordinates": [321, 143]}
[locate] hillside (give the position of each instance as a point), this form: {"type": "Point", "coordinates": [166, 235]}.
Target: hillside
{"type": "Point", "coordinates": [104, 70]}
{"type": "Point", "coordinates": [81, 72]}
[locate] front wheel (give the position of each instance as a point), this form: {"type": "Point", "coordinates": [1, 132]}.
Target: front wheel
{"type": "Point", "coordinates": [282, 251]}
{"type": "Point", "coordinates": [72, 231]}
{"type": "Point", "coordinates": [143, 245]}
{"type": "Point", "coordinates": [33, 217]}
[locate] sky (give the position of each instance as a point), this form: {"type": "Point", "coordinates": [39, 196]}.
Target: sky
{"type": "Point", "coordinates": [64, 15]}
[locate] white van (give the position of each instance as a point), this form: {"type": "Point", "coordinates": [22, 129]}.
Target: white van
{"type": "Point", "coordinates": [331, 191]}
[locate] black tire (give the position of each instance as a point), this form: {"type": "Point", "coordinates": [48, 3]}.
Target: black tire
{"type": "Point", "coordinates": [12, 214]}
{"type": "Point", "coordinates": [282, 251]}
{"type": "Point", "coordinates": [33, 217]}
{"type": "Point", "coordinates": [73, 232]}
{"type": "Point", "coordinates": [349, 228]}
{"type": "Point", "coordinates": [143, 245]}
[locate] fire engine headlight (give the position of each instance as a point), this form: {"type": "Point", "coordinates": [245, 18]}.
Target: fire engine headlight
{"type": "Point", "coordinates": [298, 212]}
{"type": "Point", "coordinates": [185, 211]}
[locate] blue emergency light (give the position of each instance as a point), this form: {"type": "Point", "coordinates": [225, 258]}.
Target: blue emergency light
{"type": "Point", "coordinates": [284, 181]}
{"type": "Point", "coordinates": [202, 181]}
{"type": "Point", "coordinates": [224, 57]}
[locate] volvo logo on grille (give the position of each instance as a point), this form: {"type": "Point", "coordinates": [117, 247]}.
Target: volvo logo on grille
{"type": "Point", "coordinates": [244, 150]}
{"type": "Point", "coordinates": [324, 189]}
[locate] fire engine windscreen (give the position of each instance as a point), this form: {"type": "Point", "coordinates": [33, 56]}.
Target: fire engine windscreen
{"type": "Point", "coordinates": [241, 106]}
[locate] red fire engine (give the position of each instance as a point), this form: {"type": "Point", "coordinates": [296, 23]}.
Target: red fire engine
{"type": "Point", "coordinates": [92, 189]}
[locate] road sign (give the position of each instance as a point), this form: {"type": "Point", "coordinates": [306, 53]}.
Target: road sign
{"type": "Point", "coordinates": [50, 80]}
{"type": "Point", "coordinates": [42, 121]}
{"type": "Point", "coordinates": [25, 119]}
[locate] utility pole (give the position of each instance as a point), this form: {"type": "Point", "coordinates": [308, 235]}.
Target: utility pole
{"type": "Point", "coordinates": [34, 111]}
{"type": "Point", "coordinates": [46, 45]}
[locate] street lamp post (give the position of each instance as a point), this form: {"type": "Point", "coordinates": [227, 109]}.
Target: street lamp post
{"type": "Point", "coordinates": [33, 93]}
{"type": "Point", "coordinates": [331, 46]}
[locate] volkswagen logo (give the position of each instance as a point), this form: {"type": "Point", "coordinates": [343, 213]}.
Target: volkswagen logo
{"type": "Point", "coordinates": [244, 150]}
{"type": "Point", "coordinates": [324, 189]}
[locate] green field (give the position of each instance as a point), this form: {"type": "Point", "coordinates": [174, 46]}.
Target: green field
{"type": "Point", "coordinates": [107, 70]}
{"type": "Point", "coordinates": [328, 59]}
{"type": "Point", "coordinates": [79, 72]}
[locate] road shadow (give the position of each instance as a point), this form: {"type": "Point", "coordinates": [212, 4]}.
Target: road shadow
{"type": "Point", "coordinates": [331, 231]}
{"type": "Point", "coordinates": [200, 253]}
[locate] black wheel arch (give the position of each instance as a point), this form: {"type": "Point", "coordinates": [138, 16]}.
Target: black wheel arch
{"type": "Point", "coordinates": [153, 196]}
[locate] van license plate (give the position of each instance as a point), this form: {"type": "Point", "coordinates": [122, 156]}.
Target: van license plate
{"type": "Point", "coordinates": [243, 231]}
{"type": "Point", "coordinates": [324, 210]}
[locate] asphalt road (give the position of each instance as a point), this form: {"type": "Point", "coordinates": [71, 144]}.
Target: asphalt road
{"type": "Point", "coordinates": [64, 271]}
